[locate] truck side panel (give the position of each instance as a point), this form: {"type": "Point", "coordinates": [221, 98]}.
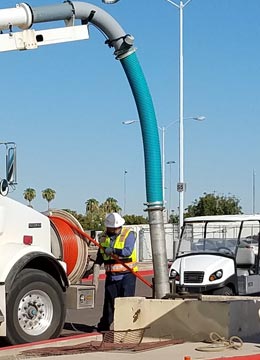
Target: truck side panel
{"type": "Point", "coordinates": [18, 221]}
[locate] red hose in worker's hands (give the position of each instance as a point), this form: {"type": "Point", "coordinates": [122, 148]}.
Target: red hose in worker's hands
{"type": "Point", "coordinates": [68, 249]}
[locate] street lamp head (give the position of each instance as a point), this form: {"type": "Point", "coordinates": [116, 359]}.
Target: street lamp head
{"type": "Point", "coordinates": [129, 122]}
{"type": "Point", "coordinates": [170, 162]}
{"type": "Point", "coordinates": [110, 1]}
{"type": "Point", "coordinates": [199, 118]}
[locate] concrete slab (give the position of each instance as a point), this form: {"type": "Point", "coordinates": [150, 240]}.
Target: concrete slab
{"type": "Point", "coordinates": [186, 351]}
{"type": "Point", "coordinates": [191, 319]}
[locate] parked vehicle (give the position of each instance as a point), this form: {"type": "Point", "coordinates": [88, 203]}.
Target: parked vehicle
{"type": "Point", "coordinates": [218, 255]}
{"type": "Point", "coordinates": [42, 260]}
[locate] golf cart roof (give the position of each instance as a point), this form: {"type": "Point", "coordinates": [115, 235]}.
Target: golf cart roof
{"type": "Point", "coordinates": [222, 218]}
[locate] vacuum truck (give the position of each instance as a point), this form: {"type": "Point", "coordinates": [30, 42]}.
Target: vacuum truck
{"type": "Point", "coordinates": [42, 260]}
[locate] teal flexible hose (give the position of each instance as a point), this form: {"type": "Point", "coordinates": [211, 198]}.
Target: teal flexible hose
{"type": "Point", "coordinates": [145, 108]}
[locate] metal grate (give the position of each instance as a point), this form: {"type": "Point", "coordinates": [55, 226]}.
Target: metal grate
{"type": "Point", "coordinates": [94, 346]}
{"type": "Point", "coordinates": [124, 336]}
{"type": "Point", "coordinates": [194, 277]}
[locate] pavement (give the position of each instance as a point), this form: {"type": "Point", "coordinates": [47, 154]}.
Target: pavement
{"type": "Point", "coordinates": [77, 347]}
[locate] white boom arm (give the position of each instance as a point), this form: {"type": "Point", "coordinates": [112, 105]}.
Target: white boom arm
{"type": "Point", "coordinates": [32, 39]}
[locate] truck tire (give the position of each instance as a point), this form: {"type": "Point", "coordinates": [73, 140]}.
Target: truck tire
{"type": "Point", "coordinates": [35, 308]}
{"type": "Point", "coordinates": [225, 290]}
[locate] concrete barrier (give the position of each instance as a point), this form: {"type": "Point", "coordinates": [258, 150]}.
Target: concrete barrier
{"type": "Point", "coordinates": [190, 319]}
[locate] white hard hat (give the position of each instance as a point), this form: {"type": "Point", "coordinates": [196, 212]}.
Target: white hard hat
{"type": "Point", "coordinates": [114, 220]}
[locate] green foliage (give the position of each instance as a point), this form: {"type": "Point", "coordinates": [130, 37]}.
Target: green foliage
{"type": "Point", "coordinates": [72, 212]}
{"type": "Point", "coordinates": [96, 213]}
{"type": "Point", "coordinates": [110, 205]}
{"type": "Point", "coordinates": [48, 194]}
{"type": "Point", "coordinates": [91, 205]}
{"type": "Point", "coordinates": [82, 219]}
{"type": "Point", "coordinates": [212, 204]}
{"type": "Point", "coordinates": [93, 219]}
{"type": "Point", "coordinates": [135, 219]}
{"type": "Point", "coordinates": [173, 219]}
{"type": "Point", "coordinates": [29, 194]}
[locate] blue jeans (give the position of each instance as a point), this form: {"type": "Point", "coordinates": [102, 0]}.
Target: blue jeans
{"type": "Point", "coordinates": [113, 289]}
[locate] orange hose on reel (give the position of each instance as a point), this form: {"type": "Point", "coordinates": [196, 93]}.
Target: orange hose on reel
{"type": "Point", "coordinates": [69, 243]}
{"type": "Point", "coordinates": [86, 236]}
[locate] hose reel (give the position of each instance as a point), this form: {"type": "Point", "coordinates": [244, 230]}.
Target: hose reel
{"type": "Point", "coordinates": [67, 244]}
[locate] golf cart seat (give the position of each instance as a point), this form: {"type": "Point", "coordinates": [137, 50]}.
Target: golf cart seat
{"type": "Point", "coordinates": [245, 258]}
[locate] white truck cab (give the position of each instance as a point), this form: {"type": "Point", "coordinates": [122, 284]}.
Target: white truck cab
{"type": "Point", "coordinates": [218, 255]}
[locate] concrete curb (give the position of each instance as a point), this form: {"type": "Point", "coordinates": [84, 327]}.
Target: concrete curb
{"type": "Point", "coordinates": [240, 357]}
{"type": "Point", "coordinates": [94, 335]}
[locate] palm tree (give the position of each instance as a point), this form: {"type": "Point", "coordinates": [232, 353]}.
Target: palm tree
{"type": "Point", "coordinates": [29, 194]}
{"type": "Point", "coordinates": [48, 194]}
{"type": "Point", "coordinates": [111, 205]}
{"type": "Point", "coordinates": [92, 205]}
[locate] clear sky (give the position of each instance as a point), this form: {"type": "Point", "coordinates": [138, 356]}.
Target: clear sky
{"type": "Point", "coordinates": [64, 105]}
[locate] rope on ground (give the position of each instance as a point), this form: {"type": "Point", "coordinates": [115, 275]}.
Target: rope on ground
{"type": "Point", "coordinates": [219, 343]}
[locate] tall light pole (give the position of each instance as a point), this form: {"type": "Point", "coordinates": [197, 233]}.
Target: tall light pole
{"type": "Point", "coordinates": [181, 184]}
{"type": "Point", "coordinates": [170, 186]}
{"type": "Point", "coordinates": [163, 130]}
{"type": "Point", "coordinates": [163, 162]}
{"type": "Point", "coordinates": [253, 194]}
{"type": "Point", "coordinates": [125, 172]}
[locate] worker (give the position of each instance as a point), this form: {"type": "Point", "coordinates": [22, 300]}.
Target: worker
{"type": "Point", "coordinates": [117, 242]}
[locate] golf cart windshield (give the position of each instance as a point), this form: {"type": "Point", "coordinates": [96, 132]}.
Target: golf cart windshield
{"type": "Point", "coordinates": [218, 237]}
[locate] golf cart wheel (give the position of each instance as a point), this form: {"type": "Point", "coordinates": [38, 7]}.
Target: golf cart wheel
{"type": "Point", "coordinates": [226, 290]}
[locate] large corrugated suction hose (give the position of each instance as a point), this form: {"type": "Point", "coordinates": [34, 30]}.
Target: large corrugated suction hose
{"type": "Point", "coordinates": [149, 128]}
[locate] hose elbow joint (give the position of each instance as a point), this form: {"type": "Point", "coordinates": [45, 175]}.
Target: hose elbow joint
{"type": "Point", "coordinates": [123, 45]}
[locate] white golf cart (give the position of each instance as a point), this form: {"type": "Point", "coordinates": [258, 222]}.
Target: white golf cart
{"type": "Point", "coordinates": [218, 255]}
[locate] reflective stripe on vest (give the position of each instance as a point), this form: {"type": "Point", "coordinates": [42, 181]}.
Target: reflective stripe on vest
{"type": "Point", "coordinates": [120, 268]}
{"type": "Point", "coordinates": [118, 244]}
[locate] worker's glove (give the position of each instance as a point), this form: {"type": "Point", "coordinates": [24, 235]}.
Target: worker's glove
{"type": "Point", "coordinates": [109, 251]}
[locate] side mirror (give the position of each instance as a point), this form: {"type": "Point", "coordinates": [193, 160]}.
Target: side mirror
{"type": "Point", "coordinates": [11, 172]}
{"type": "Point", "coordinates": [4, 187]}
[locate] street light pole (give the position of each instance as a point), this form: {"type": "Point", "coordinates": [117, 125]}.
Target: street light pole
{"type": "Point", "coordinates": [125, 172]}
{"type": "Point", "coordinates": [253, 191]}
{"type": "Point", "coordinates": [163, 130]}
{"type": "Point", "coordinates": [181, 184]}
{"type": "Point", "coordinates": [170, 186]}
{"type": "Point", "coordinates": [163, 163]}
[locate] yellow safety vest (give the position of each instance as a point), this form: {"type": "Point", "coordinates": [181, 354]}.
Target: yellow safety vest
{"type": "Point", "coordinates": [111, 265]}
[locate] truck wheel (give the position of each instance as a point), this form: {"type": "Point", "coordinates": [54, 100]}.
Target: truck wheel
{"type": "Point", "coordinates": [35, 308]}
{"type": "Point", "coordinates": [227, 291]}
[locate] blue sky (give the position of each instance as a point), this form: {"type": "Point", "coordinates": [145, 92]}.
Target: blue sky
{"type": "Point", "coordinates": [64, 105]}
